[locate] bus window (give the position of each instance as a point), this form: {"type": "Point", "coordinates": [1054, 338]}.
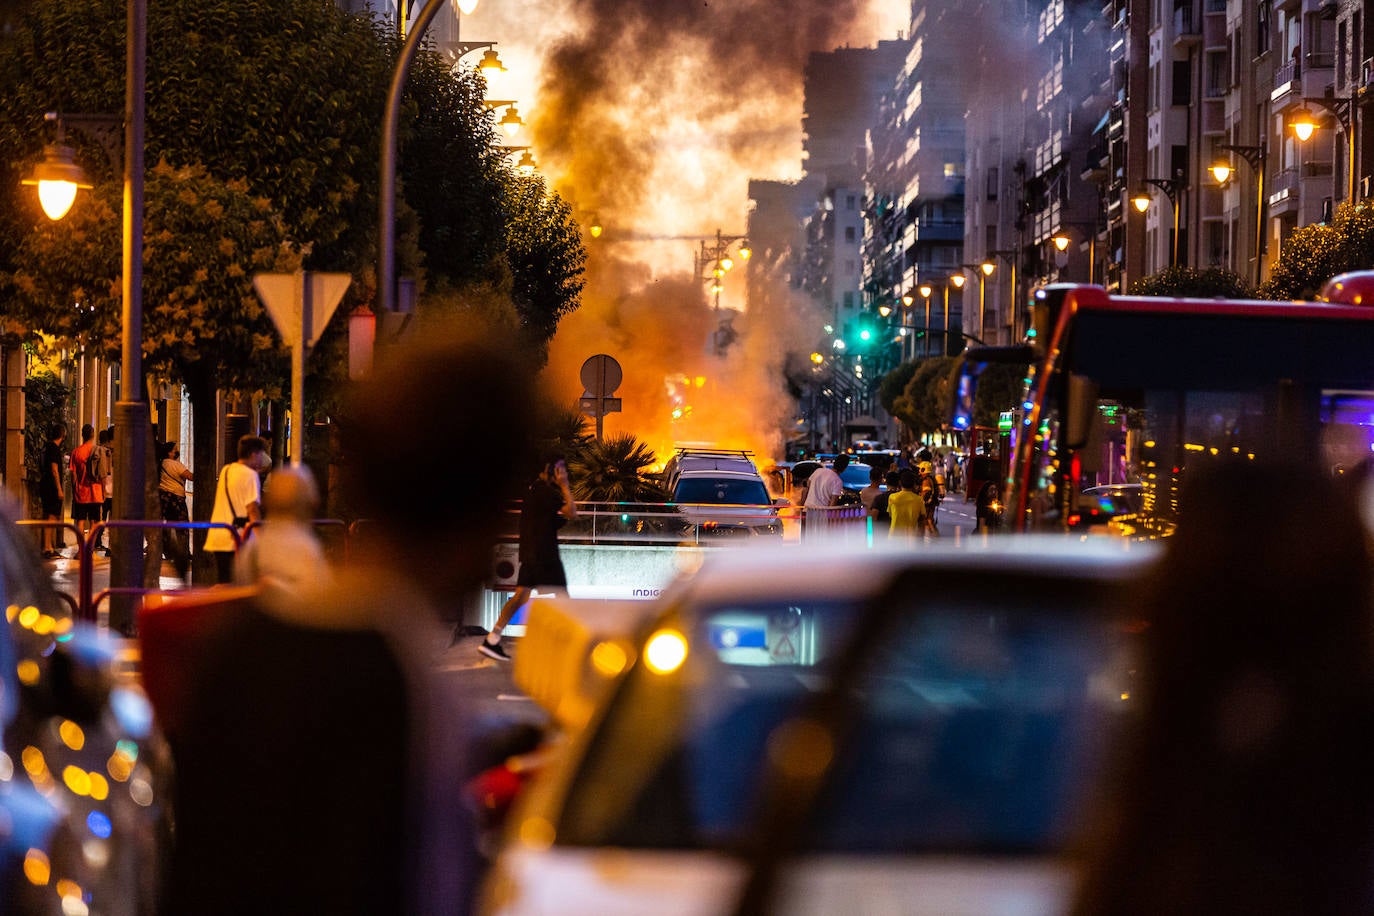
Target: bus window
{"type": "Point", "coordinates": [1347, 429]}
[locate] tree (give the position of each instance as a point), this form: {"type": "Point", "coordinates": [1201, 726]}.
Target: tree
{"type": "Point", "coordinates": [924, 404]}
{"type": "Point", "coordinates": [203, 324]}
{"type": "Point", "coordinates": [546, 256]}
{"type": "Point", "coordinates": [614, 471]}
{"type": "Point", "coordinates": [1195, 283]}
{"type": "Point", "coordinates": [893, 384]}
{"type": "Point", "coordinates": [45, 405]}
{"type": "Point", "coordinates": [1314, 254]}
{"type": "Point", "coordinates": [1001, 387]}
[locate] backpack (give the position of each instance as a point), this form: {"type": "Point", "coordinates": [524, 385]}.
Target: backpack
{"type": "Point", "coordinates": [90, 468]}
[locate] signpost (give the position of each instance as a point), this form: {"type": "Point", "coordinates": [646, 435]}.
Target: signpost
{"type": "Point", "coordinates": [300, 305]}
{"type": "Point", "coordinates": [601, 376]}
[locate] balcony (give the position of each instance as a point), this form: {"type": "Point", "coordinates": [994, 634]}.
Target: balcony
{"type": "Point", "coordinates": [1187, 31]}
{"type": "Point", "coordinates": [937, 230]}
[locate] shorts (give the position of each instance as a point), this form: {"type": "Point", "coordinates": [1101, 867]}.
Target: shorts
{"type": "Point", "coordinates": [52, 505]}
{"type": "Point", "coordinates": [86, 511]}
{"type": "Point", "coordinates": [542, 572]}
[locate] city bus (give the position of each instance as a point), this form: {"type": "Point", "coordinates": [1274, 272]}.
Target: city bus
{"type": "Point", "coordinates": [1123, 390]}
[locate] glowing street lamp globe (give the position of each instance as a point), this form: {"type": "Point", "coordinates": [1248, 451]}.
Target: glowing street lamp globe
{"type": "Point", "coordinates": [57, 178]}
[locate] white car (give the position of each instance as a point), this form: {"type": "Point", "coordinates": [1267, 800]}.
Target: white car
{"type": "Point", "coordinates": [977, 689]}
{"type": "Point", "coordinates": [722, 494]}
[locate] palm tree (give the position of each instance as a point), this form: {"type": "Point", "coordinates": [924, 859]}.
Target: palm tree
{"type": "Point", "coordinates": [565, 430]}
{"type": "Point", "coordinates": [613, 471]}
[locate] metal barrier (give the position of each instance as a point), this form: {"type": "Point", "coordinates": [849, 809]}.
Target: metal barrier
{"type": "Point", "coordinates": [73, 600]}
{"type": "Point", "coordinates": [345, 529]}
{"type": "Point", "coordinates": [87, 579]}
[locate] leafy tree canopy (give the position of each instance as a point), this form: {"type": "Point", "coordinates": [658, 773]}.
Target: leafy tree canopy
{"type": "Point", "coordinates": [203, 240]}
{"type": "Point", "coordinates": [923, 405]}
{"type": "Point", "coordinates": [1315, 253]}
{"type": "Point", "coordinates": [1193, 283]}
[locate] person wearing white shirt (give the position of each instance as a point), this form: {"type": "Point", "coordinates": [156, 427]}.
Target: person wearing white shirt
{"type": "Point", "coordinates": [825, 486]}
{"type": "Point", "coordinates": [238, 502]}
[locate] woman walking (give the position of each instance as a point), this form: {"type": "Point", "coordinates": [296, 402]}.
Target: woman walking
{"type": "Point", "coordinates": [171, 492]}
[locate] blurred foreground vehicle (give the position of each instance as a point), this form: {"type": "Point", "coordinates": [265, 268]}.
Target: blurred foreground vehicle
{"type": "Point", "coordinates": [946, 707]}
{"type": "Point", "coordinates": [82, 770]}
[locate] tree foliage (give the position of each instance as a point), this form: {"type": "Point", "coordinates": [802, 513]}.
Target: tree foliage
{"type": "Point", "coordinates": [203, 240]}
{"type": "Point", "coordinates": [546, 256]}
{"type": "Point", "coordinates": [45, 405]}
{"type": "Point", "coordinates": [893, 384]}
{"type": "Point", "coordinates": [924, 404]}
{"type": "Point", "coordinates": [1194, 283]}
{"type": "Point", "coordinates": [615, 470]}
{"type": "Point", "coordinates": [1000, 387]}
{"type": "Point", "coordinates": [1313, 254]}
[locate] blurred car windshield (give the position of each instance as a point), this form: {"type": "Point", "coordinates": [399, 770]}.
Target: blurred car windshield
{"type": "Point", "coordinates": [976, 726]}
{"type": "Point", "coordinates": [722, 491]}
{"type": "Point", "coordinates": [856, 476]}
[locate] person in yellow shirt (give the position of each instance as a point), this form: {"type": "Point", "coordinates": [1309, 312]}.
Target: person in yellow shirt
{"type": "Point", "coordinates": [907, 508]}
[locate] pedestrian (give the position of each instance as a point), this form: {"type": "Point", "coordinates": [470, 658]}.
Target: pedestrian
{"type": "Point", "coordinates": [1241, 784]}
{"type": "Point", "coordinates": [548, 506]}
{"type": "Point", "coordinates": [238, 502]}
{"type": "Point", "coordinates": [907, 509]}
{"type": "Point", "coordinates": [870, 493]}
{"type": "Point", "coordinates": [824, 487]}
{"type": "Point", "coordinates": [171, 494]}
{"type": "Point", "coordinates": [104, 443]}
{"type": "Point", "coordinates": [987, 510]}
{"type": "Point", "coordinates": [282, 553]}
{"type": "Point", "coordinates": [879, 510]}
{"type": "Point", "coordinates": [321, 762]}
{"type": "Point", "coordinates": [88, 494]}
{"type": "Point", "coordinates": [929, 488]}
{"type": "Point", "coordinates": [50, 492]}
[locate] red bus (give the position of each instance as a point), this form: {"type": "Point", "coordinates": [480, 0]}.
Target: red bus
{"type": "Point", "coordinates": [1135, 391]}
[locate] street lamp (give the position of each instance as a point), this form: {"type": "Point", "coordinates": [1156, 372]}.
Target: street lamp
{"type": "Point", "coordinates": [713, 261]}
{"type": "Point", "coordinates": [983, 270]}
{"type": "Point", "coordinates": [512, 122]}
{"type": "Point", "coordinates": [957, 281]}
{"type": "Point", "coordinates": [1257, 158]}
{"type": "Point", "coordinates": [1304, 125]}
{"type": "Point", "coordinates": [57, 179]}
{"type": "Point", "coordinates": [1172, 188]}
{"type": "Point", "coordinates": [1061, 241]}
{"type": "Point", "coordinates": [131, 412]}
{"type": "Point", "coordinates": [925, 290]}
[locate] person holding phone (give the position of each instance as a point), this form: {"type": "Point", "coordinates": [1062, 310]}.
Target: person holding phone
{"type": "Point", "coordinates": [547, 507]}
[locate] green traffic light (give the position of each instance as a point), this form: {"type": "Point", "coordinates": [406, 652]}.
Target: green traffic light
{"type": "Point", "coordinates": [865, 334]}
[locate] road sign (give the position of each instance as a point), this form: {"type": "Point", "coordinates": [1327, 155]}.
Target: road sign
{"type": "Point", "coordinates": [601, 376]}
{"type": "Point", "coordinates": [300, 304]}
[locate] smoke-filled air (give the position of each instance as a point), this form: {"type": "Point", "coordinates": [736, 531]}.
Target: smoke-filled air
{"type": "Point", "coordinates": [652, 117]}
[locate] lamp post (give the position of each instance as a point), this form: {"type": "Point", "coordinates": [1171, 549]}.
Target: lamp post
{"type": "Point", "coordinates": [713, 261]}
{"type": "Point", "coordinates": [957, 281]}
{"type": "Point", "coordinates": [925, 290]}
{"type": "Point", "coordinates": [1171, 187]}
{"type": "Point", "coordinates": [1061, 241]}
{"type": "Point", "coordinates": [511, 123]}
{"type": "Point", "coordinates": [1343, 109]}
{"type": "Point", "coordinates": [983, 270]}
{"type": "Point", "coordinates": [386, 228]}
{"type": "Point", "coordinates": [1257, 158]}
{"type": "Point", "coordinates": [131, 410]}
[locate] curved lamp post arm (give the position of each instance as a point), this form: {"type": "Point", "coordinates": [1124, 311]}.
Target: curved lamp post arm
{"type": "Point", "coordinates": [386, 229]}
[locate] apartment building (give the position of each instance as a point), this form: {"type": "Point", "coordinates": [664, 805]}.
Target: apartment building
{"type": "Point", "coordinates": [915, 183]}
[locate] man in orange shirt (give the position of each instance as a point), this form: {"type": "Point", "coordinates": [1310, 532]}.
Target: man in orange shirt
{"type": "Point", "coordinates": [88, 492]}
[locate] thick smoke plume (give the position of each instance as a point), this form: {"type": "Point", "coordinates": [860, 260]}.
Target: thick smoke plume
{"type": "Point", "coordinates": [654, 114]}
